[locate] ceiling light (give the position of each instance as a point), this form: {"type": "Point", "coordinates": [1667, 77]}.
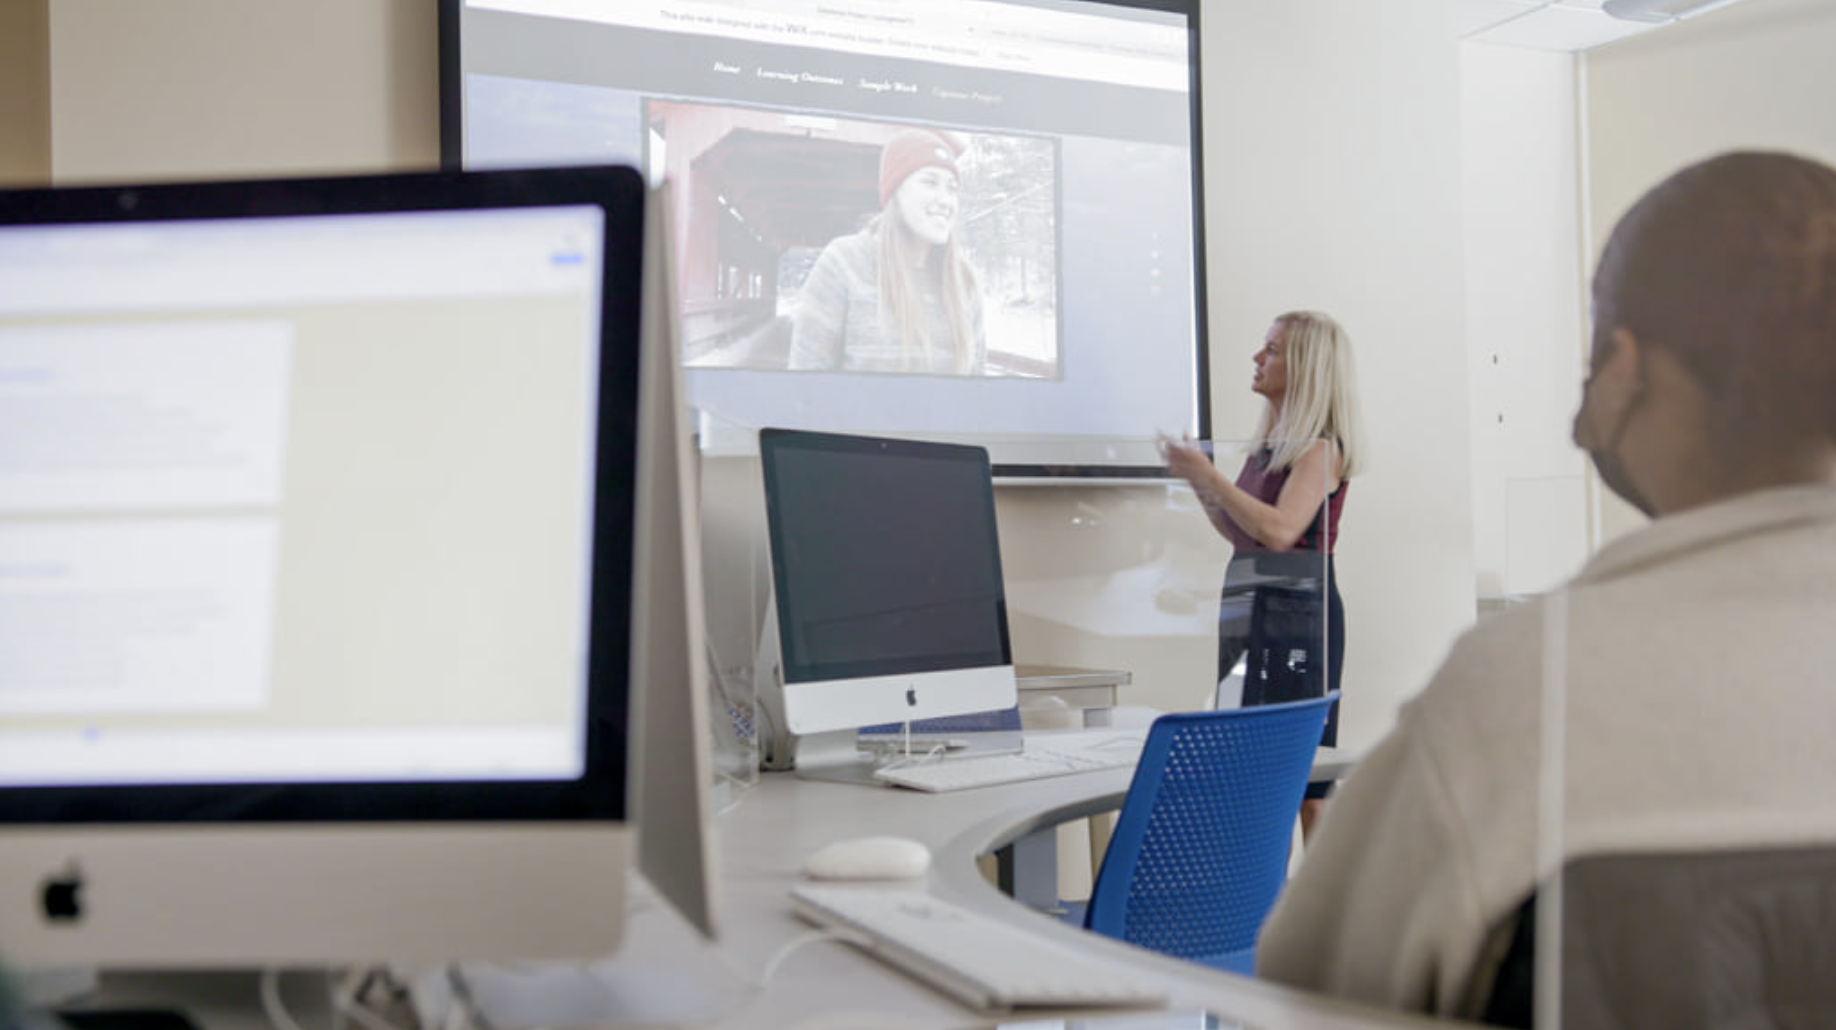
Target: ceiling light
{"type": "Point", "coordinates": [1660, 10]}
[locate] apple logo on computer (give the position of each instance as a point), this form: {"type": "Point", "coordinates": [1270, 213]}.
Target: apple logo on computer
{"type": "Point", "coordinates": [911, 697]}
{"type": "Point", "coordinates": [62, 895]}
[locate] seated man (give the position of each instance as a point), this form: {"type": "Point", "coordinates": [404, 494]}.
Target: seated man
{"type": "Point", "coordinates": [1697, 653]}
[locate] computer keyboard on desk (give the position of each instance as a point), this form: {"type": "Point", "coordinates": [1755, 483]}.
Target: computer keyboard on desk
{"type": "Point", "coordinates": [982, 961]}
{"type": "Point", "coordinates": [1043, 757]}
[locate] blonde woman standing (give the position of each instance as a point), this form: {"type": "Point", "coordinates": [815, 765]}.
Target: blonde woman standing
{"type": "Point", "coordinates": [1281, 513]}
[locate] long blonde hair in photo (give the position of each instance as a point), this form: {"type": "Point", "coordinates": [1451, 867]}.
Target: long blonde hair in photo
{"type": "Point", "coordinates": [902, 310]}
{"type": "Point", "coordinates": [1322, 398]}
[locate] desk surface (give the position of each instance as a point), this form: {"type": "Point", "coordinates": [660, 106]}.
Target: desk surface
{"type": "Point", "coordinates": [767, 833]}
{"type": "Point", "coordinates": [664, 975]}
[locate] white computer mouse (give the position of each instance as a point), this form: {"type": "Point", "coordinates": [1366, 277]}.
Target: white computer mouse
{"type": "Point", "coordinates": [868, 858]}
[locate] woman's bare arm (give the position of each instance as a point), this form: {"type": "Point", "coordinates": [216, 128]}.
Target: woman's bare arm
{"type": "Point", "coordinates": [1277, 526]}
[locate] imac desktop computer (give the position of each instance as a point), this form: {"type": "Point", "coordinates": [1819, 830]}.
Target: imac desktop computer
{"type": "Point", "coordinates": [326, 510]}
{"type": "Point", "coordinates": [887, 604]}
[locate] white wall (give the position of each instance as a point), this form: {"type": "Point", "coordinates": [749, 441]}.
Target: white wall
{"type": "Point", "coordinates": [1332, 149]}
{"type": "Point", "coordinates": [1332, 181]}
{"type": "Point", "coordinates": [1538, 206]}
{"type": "Point", "coordinates": [1525, 314]}
{"type": "Point", "coordinates": [1760, 74]}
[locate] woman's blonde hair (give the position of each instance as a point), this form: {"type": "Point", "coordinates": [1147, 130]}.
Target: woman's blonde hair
{"type": "Point", "coordinates": [902, 311]}
{"type": "Point", "coordinates": [1321, 402]}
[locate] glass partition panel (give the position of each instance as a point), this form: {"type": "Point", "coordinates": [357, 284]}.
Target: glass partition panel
{"type": "Point", "coordinates": [1682, 871]}
{"type": "Point", "coordinates": [736, 580]}
{"type": "Point", "coordinates": [1143, 593]}
{"type": "Point", "coordinates": [1195, 588]}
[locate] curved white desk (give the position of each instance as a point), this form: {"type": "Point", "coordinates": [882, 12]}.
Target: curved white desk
{"type": "Point", "coordinates": [664, 975]}
{"type": "Point", "coordinates": [765, 836]}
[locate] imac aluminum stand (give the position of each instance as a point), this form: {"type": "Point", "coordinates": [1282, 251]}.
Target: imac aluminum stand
{"type": "Point", "coordinates": [835, 755]}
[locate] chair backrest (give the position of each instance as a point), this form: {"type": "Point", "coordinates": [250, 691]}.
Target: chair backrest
{"type": "Point", "coordinates": [1200, 848]}
{"type": "Point", "coordinates": [1736, 939]}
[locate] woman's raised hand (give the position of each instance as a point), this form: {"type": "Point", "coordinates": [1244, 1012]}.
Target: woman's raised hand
{"type": "Point", "coordinates": [1184, 458]}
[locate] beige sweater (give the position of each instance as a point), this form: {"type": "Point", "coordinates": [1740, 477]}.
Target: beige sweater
{"type": "Point", "coordinates": [1701, 710]}
{"type": "Point", "coordinates": [837, 324]}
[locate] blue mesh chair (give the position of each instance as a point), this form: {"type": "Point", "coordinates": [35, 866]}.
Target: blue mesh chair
{"type": "Point", "coordinates": [1200, 848]}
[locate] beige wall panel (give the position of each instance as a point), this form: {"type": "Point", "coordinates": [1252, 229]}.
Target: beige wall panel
{"type": "Point", "coordinates": [25, 93]}
{"type": "Point", "coordinates": [186, 89]}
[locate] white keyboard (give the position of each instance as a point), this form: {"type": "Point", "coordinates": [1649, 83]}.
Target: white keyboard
{"type": "Point", "coordinates": [979, 960]}
{"type": "Point", "coordinates": [1042, 758]}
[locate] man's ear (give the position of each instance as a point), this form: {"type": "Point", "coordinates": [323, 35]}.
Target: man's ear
{"type": "Point", "coordinates": [1631, 356]}
{"type": "Point", "coordinates": [1617, 381]}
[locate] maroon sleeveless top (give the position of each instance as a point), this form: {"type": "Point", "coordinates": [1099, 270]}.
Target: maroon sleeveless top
{"type": "Point", "coordinates": [1259, 482]}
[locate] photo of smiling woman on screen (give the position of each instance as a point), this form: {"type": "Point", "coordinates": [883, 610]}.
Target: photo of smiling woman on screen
{"type": "Point", "coordinates": [898, 296]}
{"type": "Point", "coordinates": [809, 243]}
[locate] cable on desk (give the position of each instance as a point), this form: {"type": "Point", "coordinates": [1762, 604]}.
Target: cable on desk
{"type": "Point", "coordinates": [934, 754]}
{"type": "Point", "coordinates": [346, 1000]}
{"type": "Point", "coordinates": [351, 999]}
{"type": "Point", "coordinates": [468, 1002]}
{"type": "Point", "coordinates": [271, 1004]}
{"type": "Point", "coordinates": [798, 943]}
{"type": "Point", "coordinates": [840, 1019]}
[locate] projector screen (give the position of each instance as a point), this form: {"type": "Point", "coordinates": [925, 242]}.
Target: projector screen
{"type": "Point", "coordinates": [973, 220]}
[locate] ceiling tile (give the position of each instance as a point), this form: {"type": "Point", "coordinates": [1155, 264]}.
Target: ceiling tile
{"type": "Point", "coordinates": [1479, 15]}
{"type": "Point", "coordinates": [1560, 27]}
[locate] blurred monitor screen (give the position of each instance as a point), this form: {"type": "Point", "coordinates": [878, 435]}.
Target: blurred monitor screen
{"type": "Point", "coordinates": [316, 524]}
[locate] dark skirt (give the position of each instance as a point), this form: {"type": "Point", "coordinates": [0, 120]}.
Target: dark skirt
{"type": "Point", "coordinates": [1280, 612]}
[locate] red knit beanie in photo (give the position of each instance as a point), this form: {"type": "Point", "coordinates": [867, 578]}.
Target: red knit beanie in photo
{"type": "Point", "coordinates": [911, 150]}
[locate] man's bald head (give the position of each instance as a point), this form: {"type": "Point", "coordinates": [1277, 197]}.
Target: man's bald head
{"type": "Point", "coordinates": [1730, 266]}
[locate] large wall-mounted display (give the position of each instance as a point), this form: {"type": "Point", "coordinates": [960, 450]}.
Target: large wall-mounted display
{"type": "Point", "coordinates": [966, 219]}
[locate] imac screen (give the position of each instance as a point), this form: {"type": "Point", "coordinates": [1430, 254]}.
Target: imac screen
{"type": "Point", "coordinates": [315, 521]}
{"type": "Point", "coordinates": [886, 570]}
{"type": "Point", "coordinates": [974, 220]}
